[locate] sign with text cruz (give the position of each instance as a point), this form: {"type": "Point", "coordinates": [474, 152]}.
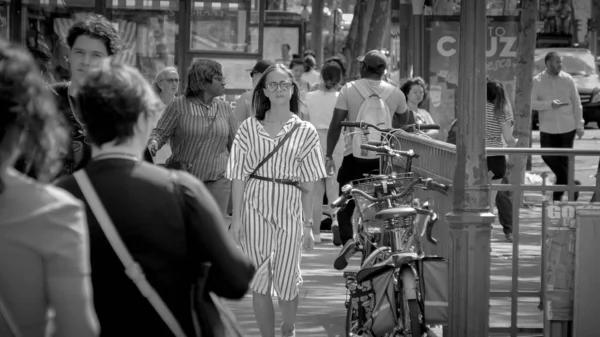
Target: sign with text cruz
{"type": "Point", "coordinates": [501, 53]}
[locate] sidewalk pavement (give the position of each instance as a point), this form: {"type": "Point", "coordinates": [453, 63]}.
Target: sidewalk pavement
{"type": "Point", "coordinates": [322, 312]}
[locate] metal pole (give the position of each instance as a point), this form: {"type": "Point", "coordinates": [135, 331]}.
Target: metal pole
{"type": "Point", "coordinates": [470, 221]}
{"type": "Point", "coordinates": [317, 29]}
{"type": "Point", "coordinates": [334, 30]}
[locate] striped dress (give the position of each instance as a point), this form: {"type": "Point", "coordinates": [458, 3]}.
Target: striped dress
{"type": "Point", "coordinates": [201, 135]}
{"type": "Point", "coordinates": [272, 213]}
{"type": "Point", "coordinates": [493, 126]}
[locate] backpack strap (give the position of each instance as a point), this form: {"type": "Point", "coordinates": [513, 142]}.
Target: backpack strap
{"type": "Point", "coordinates": [362, 89]}
{"type": "Point", "coordinates": [387, 92]}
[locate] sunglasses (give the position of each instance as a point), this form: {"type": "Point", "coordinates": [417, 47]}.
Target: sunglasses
{"type": "Point", "coordinates": [171, 80]}
{"type": "Point", "coordinates": [219, 78]}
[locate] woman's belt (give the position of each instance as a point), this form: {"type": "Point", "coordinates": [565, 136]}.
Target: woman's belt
{"type": "Point", "coordinates": [290, 182]}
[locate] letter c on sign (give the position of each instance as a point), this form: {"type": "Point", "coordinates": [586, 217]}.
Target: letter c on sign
{"type": "Point", "coordinates": [440, 46]}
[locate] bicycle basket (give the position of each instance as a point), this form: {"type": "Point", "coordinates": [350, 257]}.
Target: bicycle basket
{"type": "Point", "coordinates": [365, 211]}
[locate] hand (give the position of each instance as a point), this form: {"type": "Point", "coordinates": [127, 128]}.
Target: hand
{"type": "Point", "coordinates": [330, 166]}
{"type": "Point", "coordinates": [153, 147]}
{"type": "Point", "coordinates": [308, 240]}
{"type": "Point", "coordinates": [557, 104]}
{"type": "Point", "coordinates": [580, 132]}
{"type": "Point", "coordinates": [234, 230]}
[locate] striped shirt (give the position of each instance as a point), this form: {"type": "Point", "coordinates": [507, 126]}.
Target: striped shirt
{"type": "Point", "coordinates": [299, 159]}
{"type": "Point", "coordinates": [493, 126]}
{"type": "Point", "coordinates": [200, 135]}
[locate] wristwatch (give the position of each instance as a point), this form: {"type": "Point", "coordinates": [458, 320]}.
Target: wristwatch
{"type": "Point", "coordinates": [308, 223]}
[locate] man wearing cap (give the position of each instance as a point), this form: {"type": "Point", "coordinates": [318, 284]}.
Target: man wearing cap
{"type": "Point", "coordinates": [386, 76]}
{"type": "Point", "coordinates": [243, 106]}
{"type": "Point", "coordinates": [373, 67]}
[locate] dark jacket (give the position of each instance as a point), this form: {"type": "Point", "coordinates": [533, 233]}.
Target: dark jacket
{"type": "Point", "coordinates": [172, 226]}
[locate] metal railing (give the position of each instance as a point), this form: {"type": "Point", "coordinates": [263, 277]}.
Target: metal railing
{"type": "Point", "coordinates": [438, 160]}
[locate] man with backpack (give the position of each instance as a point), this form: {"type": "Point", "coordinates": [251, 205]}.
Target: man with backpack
{"type": "Point", "coordinates": [372, 100]}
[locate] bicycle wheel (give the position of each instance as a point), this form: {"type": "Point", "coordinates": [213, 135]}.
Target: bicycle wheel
{"type": "Point", "coordinates": [351, 321]}
{"type": "Point", "coordinates": [414, 312]}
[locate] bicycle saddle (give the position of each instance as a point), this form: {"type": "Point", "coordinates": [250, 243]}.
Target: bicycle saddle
{"type": "Point", "coordinates": [394, 261]}
{"type": "Point", "coordinates": [397, 212]}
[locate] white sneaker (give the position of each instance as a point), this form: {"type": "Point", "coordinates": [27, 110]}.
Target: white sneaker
{"type": "Point", "coordinates": [317, 238]}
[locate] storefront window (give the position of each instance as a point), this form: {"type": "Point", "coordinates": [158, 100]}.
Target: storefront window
{"type": "Point", "coordinates": [44, 31]}
{"type": "Point", "coordinates": [4, 19]}
{"type": "Point", "coordinates": [149, 30]}
{"type": "Point", "coordinates": [224, 26]}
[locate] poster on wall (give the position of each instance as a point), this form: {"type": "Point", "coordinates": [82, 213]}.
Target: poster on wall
{"type": "Point", "coordinates": [501, 53]}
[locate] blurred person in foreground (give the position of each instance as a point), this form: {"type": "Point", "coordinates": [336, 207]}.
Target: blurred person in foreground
{"type": "Point", "coordinates": [44, 252]}
{"type": "Point", "coordinates": [168, 219]}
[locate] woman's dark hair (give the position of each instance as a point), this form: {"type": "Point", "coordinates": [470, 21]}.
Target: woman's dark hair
{"type": "Point", "coordinates": [29, 120]}
{"type": "Point", "coordinates": [200, 75]}
{"type": "Point", "coordinates": [309, 62]}
{"type": "Point", "coordinates": [340, 61]}
{"type": "Point", "coordinates": [99, 28]}
{"type": "Point", "coordinates": [111, 100]}
{"type": "Point", "coordinates": [496, 96]}
{"type": "Point", "coordinates": [408, 84]}
{"type": "Point", "coordinates": [332, 74]}
{"type": "Point", "coordinates": [296, 62]}
{"type": "Point", "coordinates": [261, 102]}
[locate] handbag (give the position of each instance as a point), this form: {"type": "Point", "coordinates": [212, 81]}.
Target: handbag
{"type": "Point", "coordinates": [9, 321]}
{"type": "Point", "coordinates": [132, 268]}
{"type": "Point", "coordinates": [212, 318]}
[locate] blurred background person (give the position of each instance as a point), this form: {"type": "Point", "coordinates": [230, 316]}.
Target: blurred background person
{"type": "Point", "coordinates": [415, 91]}
{"type": "Point", "coordinates": [44, 251]}
{"type": "Point", "coordinates": [243, 106]}
{"type": "Point", "coordinates": [311, 75]}
{"type": "Point", "coordinates": [297, 67]}
{"type": "Point", "coordinates": [165, 85]}
{"type": "Point", "coordinates": [320, 105]}
{"type": "Point", "coordinates": [201, 129]}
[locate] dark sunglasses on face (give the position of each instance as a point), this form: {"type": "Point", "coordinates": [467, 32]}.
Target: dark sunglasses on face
{"type": "Point", "coordinates": [171, 80]}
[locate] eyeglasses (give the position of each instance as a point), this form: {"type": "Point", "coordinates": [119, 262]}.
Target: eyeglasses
{"type": "Point", "coordinates": [273, 86]}
{"type": "Point", "coordinates": [219, 78]}
{"type": "Point", "coordinates": [171, 80]}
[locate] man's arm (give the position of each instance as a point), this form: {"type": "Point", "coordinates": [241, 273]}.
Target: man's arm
{"type": "Point", "coordinates": [576, 102]}
{"type": "Point", "coordinates": [335, 129]}
{"type": "Point", "coordinates": [536, 103]}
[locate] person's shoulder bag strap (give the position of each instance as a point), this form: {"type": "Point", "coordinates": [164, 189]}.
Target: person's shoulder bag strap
{"type": "Point", "coordinates": [13, 329]}
{"type": "Point", "coordinates": [277, 147]}
{"type": "Point", "coordinates": [132, 268]}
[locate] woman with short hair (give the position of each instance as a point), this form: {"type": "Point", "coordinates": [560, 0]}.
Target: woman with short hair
{"type": "Point", "coordinates": [167, 220]}
{"type": "Point", "coordinates": [200, 127]}
{"type": "Point", "coordinates": [166, 84]}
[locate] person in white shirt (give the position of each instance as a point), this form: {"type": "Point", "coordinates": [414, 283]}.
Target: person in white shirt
{"type": "Point", "coordinates": [554, 95]}
{"type": "Point", "coordinates": [311, 75]}
{"type": "Point", "coordinates": [320, 105]}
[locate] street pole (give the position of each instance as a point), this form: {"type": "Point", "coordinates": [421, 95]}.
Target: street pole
{"type": "Point", "coordinates": [470, 222]}
{"type": "Point", "coordinates": [418, 28]}
{"type": "Point", "coordinates": [317, 29]}
{"type": "Point", "coordinates": [405, 56]}
{"type": "Point", "coordinates": [335, 14]}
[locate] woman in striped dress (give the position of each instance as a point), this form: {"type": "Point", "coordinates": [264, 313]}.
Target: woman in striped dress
{"type": "Point", "coordinates": [200, 127]}
{"type": "Point", "coordinates": [272, 208]}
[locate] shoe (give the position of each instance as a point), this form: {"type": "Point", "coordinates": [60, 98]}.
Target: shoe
{"type": "Point", "coordinates": [341, 261]}
{"type": "Point", "coordinates": [317, 238]}
{"type": "Point", "coordinates": [291, 333]}
{"type": "Point", "coordinates": [335, 229]}
{"type": "Point", "coordinates": [509, 237]}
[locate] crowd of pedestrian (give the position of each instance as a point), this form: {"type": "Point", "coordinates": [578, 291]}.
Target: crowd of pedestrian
{"type": "Point", "coordinates": [86, 216]}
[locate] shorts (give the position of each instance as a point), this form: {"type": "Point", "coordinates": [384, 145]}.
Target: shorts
{"type": "Point", "coordinates": [497, 165]}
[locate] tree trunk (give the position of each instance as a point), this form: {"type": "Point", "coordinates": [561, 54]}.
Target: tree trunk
{"type": "Point", "coordinates": [524, 70]}
{"type": "Point", "coordinates": [317, 29]}
{"type": "Point", "coordinates": [353, 40]}
{"type": "Point", "coordinates": [379, 25]}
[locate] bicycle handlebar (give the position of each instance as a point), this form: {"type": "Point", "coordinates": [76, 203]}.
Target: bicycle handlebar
{"type": "Point", "coordinates": [427, 183]}
{"type": "Point", "coordinates": [363, 125]}
{"type": "Point", "coordinates": [386, 150]}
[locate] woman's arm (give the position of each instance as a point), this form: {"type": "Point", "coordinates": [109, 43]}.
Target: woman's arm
{"type": "Point", "coordinates": [231, 271]}
{"type": "Point", "coordinates": [68, 275]}
{"type": "Point", "coordinates": [507, 133]}
{"type": "Point", "coordinates": [233, 126]}
{"type": "Point", "coordinates": [167, 124]}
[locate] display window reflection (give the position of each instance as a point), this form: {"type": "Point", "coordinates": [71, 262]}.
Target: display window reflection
{"type": "Point", "coordinates": [149, 31]}
{"type": "Point", "coordinates": [224, 25]}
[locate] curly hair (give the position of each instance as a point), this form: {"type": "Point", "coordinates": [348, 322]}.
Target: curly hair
{"type": "Point", "coordinates": [200, 75]}
{"type": "Point", "coordinates": [407, 86]}
{"type": "Point", "coordinates": [261, 102]}
{"type": "Point", "coordinates": [111, 100]}
{"type": "Point", "coordinates": [29, 120]}
{"type": "Point", "coordinates": [96, 27]}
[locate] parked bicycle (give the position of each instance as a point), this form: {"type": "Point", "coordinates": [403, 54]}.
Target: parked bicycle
{"type": "Point", "coordinates": [386, 298]}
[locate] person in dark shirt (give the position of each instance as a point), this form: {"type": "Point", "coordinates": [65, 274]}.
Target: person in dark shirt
{"type": "Point", "coordinates": [168, 220]}
{"type": "Point", "coordinates": [90, 41]}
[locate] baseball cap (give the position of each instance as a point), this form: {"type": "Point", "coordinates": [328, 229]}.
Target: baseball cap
{"type": "Point", "coordinates": [261, 66]}
{"type": "Point", "coordinates": [374, 59]}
